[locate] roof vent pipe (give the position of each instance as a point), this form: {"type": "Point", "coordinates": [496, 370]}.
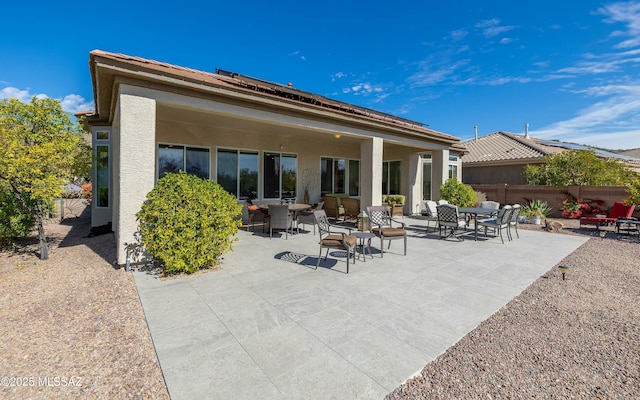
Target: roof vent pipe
{"type": "Point", "coordinates": [526, 131]}
{"type": "Point", "coordinates": [475, 131]}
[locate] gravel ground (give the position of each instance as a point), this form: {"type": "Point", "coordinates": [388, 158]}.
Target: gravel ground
{"type": "Point", "coordinates": [578, 338]}
{"type": "Point", "coordinates": [73, 326]}
{"type": "Point", "coordinates": [76, 326]}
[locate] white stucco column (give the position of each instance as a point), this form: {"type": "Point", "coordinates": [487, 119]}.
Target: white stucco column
{"type": "Point", "coordinates": [413, 202]}
{"type": "Point", "coordinates": [371, 172]}
{"type": "Point", "coordinates": [136, 160]}
{"type": "Point", "coordinates": [439, 171]}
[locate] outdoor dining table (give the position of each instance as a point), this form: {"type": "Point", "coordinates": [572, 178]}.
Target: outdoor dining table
{"type": "Point", "coordinates": [473, 212]}
{"type": "Point", "coordinates": [295, 208]}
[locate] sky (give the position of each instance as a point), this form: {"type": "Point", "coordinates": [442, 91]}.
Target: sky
{"type": "Point", "coordinates": [569, 69]}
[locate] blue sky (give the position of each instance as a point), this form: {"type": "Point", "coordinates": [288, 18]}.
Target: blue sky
{"type": "Point", "coordinates": [569, 69]}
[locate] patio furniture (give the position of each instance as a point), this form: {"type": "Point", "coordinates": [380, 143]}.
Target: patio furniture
{"type": "Point", "coordinates": [449, 220]}
{"type": "Point", "coordinates": [362, 236]}
{"type": "Point", "coordinates": [396, 202]}
{"type": "Point", "coordinates": [430, 212]}
{"type": "Point", "coordinates": [351, 209]}
{"type": "Point", "coordinates": [513, 221]}
{"type": "Point", "coordinates": [256, 216]}
{"type": "Point", "coordinates": [619, 210]}
{"type": "Point", "coordinates": [499, 223]}
{"type": "Point", "coordinates": [382, 226]}
{"type": "Point", "coordinates": [280, 218]}
{"type": "Point", "coordinates": [442, 201]}
{"type": "Point", "coordinates": [306, 217]}
{"type": "Point", "coordinates": [332, 208]}
{"type": "Point", "coordinates": [331, 240]}
{"type": "Point", "coordinates": [628, 225]}
{"type": "Point", "coordinates": [475, 214]}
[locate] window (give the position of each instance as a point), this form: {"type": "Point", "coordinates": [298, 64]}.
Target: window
{"type": "Point", "coordinates": [391, 171]}
{"type": "Point", "coordinates": [237, 172]}
{"type": "Point", "coordinates": [102, 169]}
{"type": "Point", "coordinates": [193, 160]}
{"type": "Point", "coordinates": [339, 175]}
{"type": "Point", "coordinates": [426, 176]}
{"type": "Point", "coordinates": [453, 166]}
{"type": "Point", "coordinates": [354, 177]}
{"type": "Point", "coordinates": [102, 176]}
{"type": "Point", "coordinates": [280, 175]}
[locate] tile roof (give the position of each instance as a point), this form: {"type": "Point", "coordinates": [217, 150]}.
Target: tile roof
{"type": "Point", "coordinates": [503, 147]}
{"type": "Point", "coordinates": [264, 88]}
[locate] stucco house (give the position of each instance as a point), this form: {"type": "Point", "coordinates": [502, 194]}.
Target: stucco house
{"type": "Point", "coordinates": [501, 157]}
{"type": "Point", "coordinates": [251, 136]}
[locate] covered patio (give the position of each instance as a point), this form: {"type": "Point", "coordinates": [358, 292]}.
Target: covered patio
{"type": "Point", "coordinates": [267, 325]}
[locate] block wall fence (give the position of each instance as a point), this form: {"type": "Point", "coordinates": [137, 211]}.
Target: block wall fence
{"type": "Point", "coordinates": [553, 195]}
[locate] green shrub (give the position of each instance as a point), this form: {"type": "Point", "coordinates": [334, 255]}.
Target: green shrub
{"type": "Point", "coordinates": [187, 222]}
{"type": "Point", "coordinates": [536, 208]}
{"type": "Point", "coordinates": [633, 190]}
{"type": "Point", "coordinates": [14, 221]}
{"type": "Point", "coordinates": [457, 193]}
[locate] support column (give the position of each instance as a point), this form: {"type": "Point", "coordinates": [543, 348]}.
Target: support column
{"type": "Point", "coordinates": [439, 171]}
{"type": "Point", "coordinates": [137, 154]}
{"type": "Point", "coordinates": [371, 172]}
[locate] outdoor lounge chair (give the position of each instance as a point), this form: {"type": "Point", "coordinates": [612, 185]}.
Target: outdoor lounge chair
{"type": "Point", "coordinates": [382, 226]}
{"type": "Point", "coordinates": [280, 218]}
{"type": "Point", "coordinates": [449, 221]}
{"type": "Point", "coordinates": [331, 240]}
{"type": "Point", "coordinates": [619, 210]}
{"type": "Point", "coordinates": [499, 223]}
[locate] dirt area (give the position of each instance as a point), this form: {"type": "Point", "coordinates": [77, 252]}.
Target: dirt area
{"type": "Point", "coordinates": [73, 326]}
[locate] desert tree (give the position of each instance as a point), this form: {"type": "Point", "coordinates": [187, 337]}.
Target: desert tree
{"type": "Point", "coordinates": [41, 150]}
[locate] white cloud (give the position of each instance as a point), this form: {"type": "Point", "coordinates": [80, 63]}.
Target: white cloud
{"type": "Point", "coordinates": [71, 103]}
{"type": "Point", "coordinates": [457, 35]}
{"type": "Point", "coordinates": [612, 123]}
{"type": "Point", "coordinates": [491, 28]}
{"type": "Point", "coordinates": [627, 13]}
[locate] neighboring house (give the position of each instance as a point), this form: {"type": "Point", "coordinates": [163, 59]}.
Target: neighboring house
{"type": "Point", "coordinates": [250, 136]}
{"type": "Point", "coordinates": [501, 157]}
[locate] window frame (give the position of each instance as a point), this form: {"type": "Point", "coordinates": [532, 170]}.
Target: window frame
{"type": "Point", "coordinates": [238, 152]}
{"type": "Point", "coordinates": [184, 156]}
{"type": "Point", "coordinates": [347, 175]}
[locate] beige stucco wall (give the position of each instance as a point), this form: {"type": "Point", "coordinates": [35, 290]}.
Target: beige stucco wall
{"type": "Point", "coordinates": [144, 118]}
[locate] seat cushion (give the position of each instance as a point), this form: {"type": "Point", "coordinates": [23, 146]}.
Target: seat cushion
{"type": "Point", "coordinates": [336, 240]}
{"type": "Point", "coordinates": [389, 232]}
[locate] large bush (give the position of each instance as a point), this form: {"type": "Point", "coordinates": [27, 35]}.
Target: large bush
{"type": "Point", "coordinates": [457, 193]}
{"type": "Point", "coordinates": [187, 222]}
{"type": "Point", "coordinates": [15, 222]}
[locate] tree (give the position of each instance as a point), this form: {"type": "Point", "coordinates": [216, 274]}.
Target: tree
{"type": "Point", "coordinates": [577, 167]}
{"type": "Point", "coordinates": [457, 193]}
{"type": "Point", "coordinates": [41, 150]}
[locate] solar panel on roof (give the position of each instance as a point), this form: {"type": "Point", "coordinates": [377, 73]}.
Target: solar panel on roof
{"type": "Point", "coordinates": [575, 146]}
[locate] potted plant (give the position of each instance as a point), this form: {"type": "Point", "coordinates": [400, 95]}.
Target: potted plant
{"type": "Point", "coordinates": [536, 210]}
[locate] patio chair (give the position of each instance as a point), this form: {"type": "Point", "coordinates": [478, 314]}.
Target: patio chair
{"type": "Point", "coordinates": [430, 212]}
{"type": "Point", "coordinates": [256, 216]}
{"type": "Point", "coordinates": [449, 220]}
{"type": "Point", "coordinates": [331, 240]}
{"type": "Point", "coordinates": [441, 202]}
{"type": "Point", "coordinates": [619, 210]}
{"type": "Point", "coordinates": [306, 217]}
{"type": "Point", "coordinates": [280, 218]}
{"type": "Point", "coordinates": [351, 209]}
{"type": "Point", "coordinates": [499, 223]}
{"type": "Point", "coordinates": [382, 226]}
{"type": "Point", "coordinates": [332, 208]}
{"type": "Point", "coordinates": [513, 221]}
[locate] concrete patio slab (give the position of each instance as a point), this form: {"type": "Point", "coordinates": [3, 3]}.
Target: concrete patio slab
{"type": "Point", "coordinates": [269, 325]}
